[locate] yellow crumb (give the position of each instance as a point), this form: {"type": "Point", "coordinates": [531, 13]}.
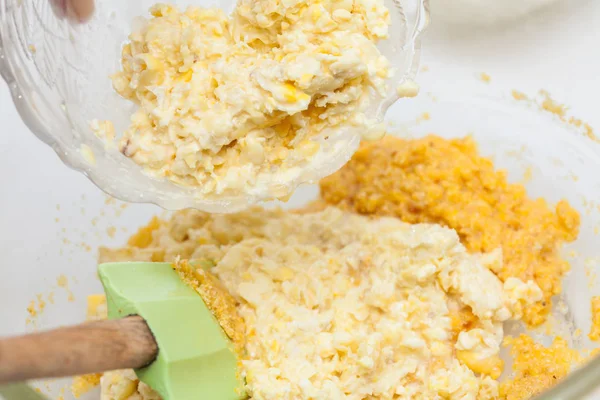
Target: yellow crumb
{"type": "Point", "coordinates": [423, 117]}
{"type": "Point", "coordinates": [518, 95]}
{"type": "Point", "coordinates": [110, 231]}
{"type": "Point", "coordinates": [595, 331]}
{"type": "Point", "coordinates": [41, 302]}
{"type": "Point", "coordinates": [485, 77]}
{"type": "Point", "coordinates": [552, 106]}
{"type": "Point", "coordinates": [143, 237]}
{"type": "Point", "coordinates": [62, 281]}
{"type": "Point", "coordinates": [36, 307]}
{"type": "Point", "coordinates": [84, 383]}
{"type": "Point", "coordinates": [436, 180]}
{"type": "Point", "coordinates": [96, 307]}
{"type": "Point", "coordinates": [61, 394]}
{"type": "Point", "coordinates": [547, 103]}
{"type": "Point", "coordinates": [527, 175]}
{"type": "Point", "coordinates": [536, 368]}
{"type": "Point", "coordinates": [31, 309]}
{"type": "Point", "coordinates": [594, 353]}
{"type": "Point", "coordinates": [576, 122]}
{"type": "Point", "coordinates": [587, 128]}
{"type": "Point", "coordinates": [589, 131]}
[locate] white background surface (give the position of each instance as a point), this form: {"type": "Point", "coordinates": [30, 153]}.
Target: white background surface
{"type": "Point", "coordinates": [47, 212]}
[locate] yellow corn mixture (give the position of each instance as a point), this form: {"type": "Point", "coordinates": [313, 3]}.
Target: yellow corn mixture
{"type": "Point", "coordinates": [447, 182]}
{"type": "Point", "coordinates": [536, 368]}
{"type": "Point", "coordinates": [429, 180]}
{"type": "Point", "coordinates": [340, 302]}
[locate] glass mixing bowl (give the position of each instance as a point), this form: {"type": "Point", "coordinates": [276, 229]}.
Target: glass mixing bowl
{"type": "Point", "coordinates": [60, 233]}
{"type": "Point", "coordinates": [58, 75]}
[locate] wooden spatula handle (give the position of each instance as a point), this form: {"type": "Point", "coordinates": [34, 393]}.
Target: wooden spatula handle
{"type": "Point", "coordinates": [82, 349]}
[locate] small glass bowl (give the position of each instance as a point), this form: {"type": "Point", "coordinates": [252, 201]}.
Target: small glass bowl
{"type": "Point", "coordinates": [58, 76]}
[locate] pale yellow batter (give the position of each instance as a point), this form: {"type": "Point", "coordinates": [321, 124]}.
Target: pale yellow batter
{"type": "Point", "coordinates": [229, 104]}
{"type": "Point", "coordinates": [338, 305]}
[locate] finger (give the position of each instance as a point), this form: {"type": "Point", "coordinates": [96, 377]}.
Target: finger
{"type": "Point", "coordinates": [76, 10]}
{"type": "Point", "coordinates": [81, 9]}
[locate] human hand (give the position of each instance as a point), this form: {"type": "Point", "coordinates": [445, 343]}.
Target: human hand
{"type": "Point", "coordinates": [76, 10]}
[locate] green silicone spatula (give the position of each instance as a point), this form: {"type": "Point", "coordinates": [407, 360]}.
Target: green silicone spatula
{"type": "Point", "coordinates": [157, 325]}
{"type": "Point", "coordinates": [20, 391]}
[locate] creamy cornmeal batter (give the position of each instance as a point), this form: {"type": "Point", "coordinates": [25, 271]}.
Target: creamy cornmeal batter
{"type": "Point", "coordinates": [336, 305]}
{"type": "Point", "coordinates": [227, 104]}
{"type": "Point", "coordinates": [381, 308]}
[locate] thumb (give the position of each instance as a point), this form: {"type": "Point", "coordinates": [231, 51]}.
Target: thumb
{"type": "Point", "coordinates": [81, 9]}
{"type": "Point", "coordinates": [78, 10]}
